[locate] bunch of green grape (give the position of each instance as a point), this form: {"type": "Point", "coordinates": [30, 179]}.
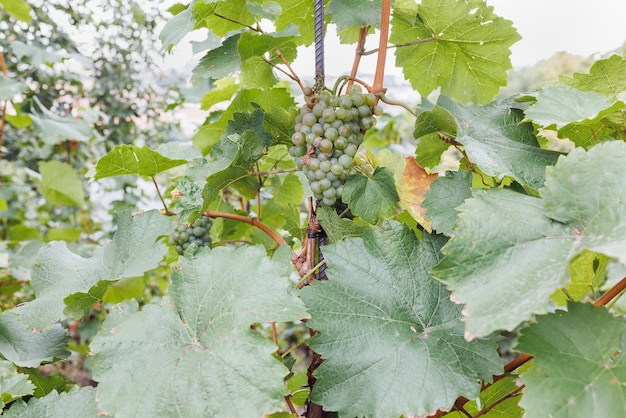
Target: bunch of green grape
{"type": "Point", "coordinates": [328, 132]}
{"type": "Point", "coordinates": [197, 232]}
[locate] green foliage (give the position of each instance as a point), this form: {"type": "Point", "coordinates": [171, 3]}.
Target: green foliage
{"type": "Point", "coordinates": [401, 322]}
{"type": "Point", "coordinates": [459, 46]}
{"type": "Point", "coordinates": [355, 306]}
{"type": "Point", "coordinates": [584, 376]}
{"type": "Point", "coordinates": [130, 159]}
{"type": "Point", "coordinates": [371, 198]}
{"type": "Point", "coordinates": [176, 357]}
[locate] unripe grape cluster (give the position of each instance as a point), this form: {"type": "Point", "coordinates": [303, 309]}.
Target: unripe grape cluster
{"type": "Point", "coordinates": [185, 234]}
{"type": "Point", "coordinates": [328, 132]}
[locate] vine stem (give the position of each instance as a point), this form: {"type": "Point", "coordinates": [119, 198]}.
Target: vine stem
{"type": "Point", "coordinates": [382, 47]}
{"type": "Point", "coordinates": [167, 211]}
{"type": "Point", "coordinates": [252, 221]}
{"type": "Point", "coordinates": [419, 41]}
{"type": "Point", "coordinates": [360, 48]}
{"type": "Point", "coordinates": [3, 66]}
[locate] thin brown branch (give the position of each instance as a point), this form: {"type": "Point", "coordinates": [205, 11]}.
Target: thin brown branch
{"type": "Point", "coordinates": [290, 405]}
{"type": "Point", "coordinates": [275, 338]}
{"type": "Point", "coordinates": [611, 293]}
{"type": "Point", "coordinates": [379, 76]}
{"type": "Point", "coordinates": [360, 47]}
{"type": "Point", "coordinates": [294, 75]}
{"type": "Point", "coordinates": [167, 211]}
{"type": "Point", "coordinates": [252, 221]}
{"type": "Point", "coordinates": [238, 23]}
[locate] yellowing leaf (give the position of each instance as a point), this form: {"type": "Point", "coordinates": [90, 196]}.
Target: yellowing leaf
{"type": "Point", "coordinates": [415, 183]}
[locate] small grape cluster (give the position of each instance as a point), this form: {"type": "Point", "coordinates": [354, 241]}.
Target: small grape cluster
{"type": "Point", "coordinates": [185, 234]}
{"type": "Point", "coordinates": [328, 132]}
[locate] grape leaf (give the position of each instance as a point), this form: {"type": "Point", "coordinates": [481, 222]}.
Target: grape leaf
{"type": "Point", "coordinates": [445, 195]}
{"type": "Point", "coordinates": [233, 160]}
{"type": "Point", "coordinates": [224, 90]}
{"type": "Point", "coordinates": [61, 273]}
{"type": "Point", "coordinates": [9, 88]}
{"type": "Point", "coordinates": [371, 198]}
{"type": "Point", "coordinates": [579, 366]}
{"type": "Point", "coordinates": [77, 403]}
{"type": "Point", "coordinates": [13, 385]}
{"type": "Point", "coordinates": [53, 128]}
{"type": "Point", "coordinates": [29, 349]}
{"type": "Point", "coordinates": [268, 10]}
{"type": "Point", "coordinates": [607, 77]}
{"type": "Point", "coordinates": [17, 9]}
{"type": "Point", "coordinates": [223, 17]}
{"type": "Point", "coordinates": [193, 354]}
{"type": "Point", "coordinates": [287, 190]}
{"type": "Point", "coordinates": [60, 184]}
{"type": "Point", "coordinates": [253, 48]}
{"type": "Point", "coordinates": [277, 103]}
{"type": "Point", "coordinates": [359, 13]}
{"type": "Point", "coordinates": [561, 105]}
{"type": "Point", "coordinates": [300, 13]}
{"type": "Point", "coordinates": [45, 384]}
{"type": "Point", "coordinates": [219, 62]}
{"type": "Point", "coordinates": [176, 28]}
{"type": "Point", "coordinates": [415, 184]}
{"type": "Point", "coordinates": [130, 159]}
{"type": "Point", "coordinates": [496, 140]}
{"type": "Point", "coordinates": [509, 246]}
{"type": "Point", "coordinates": [338, 228]}
{"type": "Point", "coordinates": [390, 336]}
{"type": "Point", "coordinates": [492, 397]}
{"type": "Point", "coordinates": [587, 271]}
{"type": "Point", "coordinates": [464, 48]}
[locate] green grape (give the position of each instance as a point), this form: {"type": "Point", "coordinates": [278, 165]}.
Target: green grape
{"type": "Point", "coordinates": [328, 132]}
{"type": "Point", "coordinates": [185, 235]}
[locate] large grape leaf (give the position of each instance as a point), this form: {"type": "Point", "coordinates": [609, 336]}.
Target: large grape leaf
{"type": "Point", "coordinates": [464, 47]}
{"type": "Point", "coordinates": [607, 77]}
{"type": "Point", "coordinates": [445, 195]}
{"type": "Point", "coordinates": [60, 184]}
{"type": "Point", "coordinates": [61, 273]}
{"type": "Point", "coordinates": [193, 354]}
{"type": "Point", "coordinates": [561, 105]}
{"type": "Point", "coordinates": [579, 367]}
{"type": "Point", "coordinates": [77, 403]}
{"type": "Point", "coordinates": [496, 140]}
{"type": "Point", "coordinates": [509, 247]}
{"type": "Point", "coordinates": [371, 198]}
{"type": "Point", "coordinates": [26, 348]}
{"type": "Point", "coordinates": [130, 159]}
{"type": "Point", "coordinates": [391, 338]}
